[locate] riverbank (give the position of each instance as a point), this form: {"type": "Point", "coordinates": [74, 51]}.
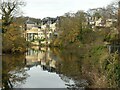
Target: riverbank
{"type": "Point", "coordinates": [90, 63]}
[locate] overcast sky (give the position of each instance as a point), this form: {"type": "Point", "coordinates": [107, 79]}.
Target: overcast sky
{"type": "Point", "coordinates": [53, 8]}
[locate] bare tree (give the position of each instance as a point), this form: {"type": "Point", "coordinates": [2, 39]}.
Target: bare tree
{"type": "Point", "coordinates": [9, 9]}
{"type": "Point", "coordinates": [111, 10]}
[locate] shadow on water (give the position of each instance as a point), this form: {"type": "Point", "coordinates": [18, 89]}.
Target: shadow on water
{"type": "Point", "coordinates": [64, 68]}
{"type": "Point", "coordinates": [13, 71]}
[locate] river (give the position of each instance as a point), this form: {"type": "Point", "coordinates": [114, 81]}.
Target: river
{"type": "Point", "coordinates": [50, 68]}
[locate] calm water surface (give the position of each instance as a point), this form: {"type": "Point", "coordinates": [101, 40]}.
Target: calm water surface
{"type": "Point", "coordinates": [49, 68]}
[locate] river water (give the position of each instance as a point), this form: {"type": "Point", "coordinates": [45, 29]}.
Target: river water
{"type": "Point", "coordinates": [50, 68]}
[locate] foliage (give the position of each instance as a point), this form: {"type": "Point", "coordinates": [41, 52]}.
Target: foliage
{"type": "Point", "coordinates": [13, 71]}
{"type": "Point", "coordinates": [111, 67]}
{"type": "Point", "coordinates": [13, 41]}
{"type": "Point", "coordinates": [9, 9]}
{"type": "Point", "coordinates": [72, 28]}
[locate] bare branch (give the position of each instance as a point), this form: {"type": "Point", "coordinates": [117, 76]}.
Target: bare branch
{"type": "Point", "coordinates": [8, 9]}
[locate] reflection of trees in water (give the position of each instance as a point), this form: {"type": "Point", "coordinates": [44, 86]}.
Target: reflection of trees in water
{"type": "Point", "coordinates": [47, 62]}
{"type": "Point", "coordinates": [88, 70]}
{"type": "Point", "coordinates": [73, 69]}
{"type": "Point", "coordinates": [69, 66]}
{"type": "Point", "coordinates": [13, 72]}
{"type": "Point", "coordinates": [48, 68]}
{"type": "Point", "coordinates": [69, 69]}
{"type": "Point", "coordinates": [72, 83]}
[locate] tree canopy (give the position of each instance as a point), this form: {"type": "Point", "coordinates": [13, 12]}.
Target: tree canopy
{"type": "Point", "coordinates": [9, 9]}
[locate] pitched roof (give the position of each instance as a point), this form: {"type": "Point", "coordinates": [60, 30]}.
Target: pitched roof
{"type": "Point", "coordinates": [49, 20]}
{"type": "Point", "coordinates": [30, 22]}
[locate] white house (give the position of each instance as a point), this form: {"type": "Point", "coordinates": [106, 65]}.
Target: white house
{"type": "Point", "coordinates": [100, 23]}
{"type": "Point", "coordinates": [41, 34]}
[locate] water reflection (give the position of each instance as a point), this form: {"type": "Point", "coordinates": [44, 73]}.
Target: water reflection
{"type": "Point", "coordinates": [51, 68]}
{"type": "Point", "coordinates": [36, 69]}
{"type": "Point", "coordinates": [41, 57]}
{"type": "Point", "coordinates": [13, 72]}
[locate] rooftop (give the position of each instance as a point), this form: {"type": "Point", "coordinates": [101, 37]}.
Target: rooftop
{"type": "Point", "coordinates": [30, 22]}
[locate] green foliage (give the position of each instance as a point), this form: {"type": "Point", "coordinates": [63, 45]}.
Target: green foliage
{"type": "Point", "coordinates": [86, 36]}
{"type": "Point", "coordinates": [111, 36]}
{"type": "Point", "coordinates": [72, 29]}
{"type": "Point", "coordinates": [111, 67]}
{"type": "Point", "coordinates": [97, 51]}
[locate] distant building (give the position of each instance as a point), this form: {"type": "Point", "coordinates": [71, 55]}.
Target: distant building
{"type": "Point", "coordinates": [100, 23]}
{"type": "Point", "coordinates": [41, 34]}
{"type": "Point", "coordinates": [30, 24]}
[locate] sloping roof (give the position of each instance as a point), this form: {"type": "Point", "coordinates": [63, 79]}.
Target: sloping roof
{"type": "Point", "coordinates": [30, 22]}
{"type": "Point", "coordinates": [49, 20]}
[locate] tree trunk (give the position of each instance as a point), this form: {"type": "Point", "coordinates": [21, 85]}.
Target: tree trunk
{"type": "Point", "coordinates": [119, 23]}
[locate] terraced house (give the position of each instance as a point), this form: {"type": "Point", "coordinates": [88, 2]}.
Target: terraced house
{"type": "Point", "coordinates": [41, 34]}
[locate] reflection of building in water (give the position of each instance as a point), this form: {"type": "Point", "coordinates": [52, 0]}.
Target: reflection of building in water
{"type": "Point", "coordinates": [40, 56]}
{"type": "Point", "coordinates": [31, 57]}
{"type": "Point", "coordinates": [48, 65]}
{"type": "Point", "coordinates": [52, 63]}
